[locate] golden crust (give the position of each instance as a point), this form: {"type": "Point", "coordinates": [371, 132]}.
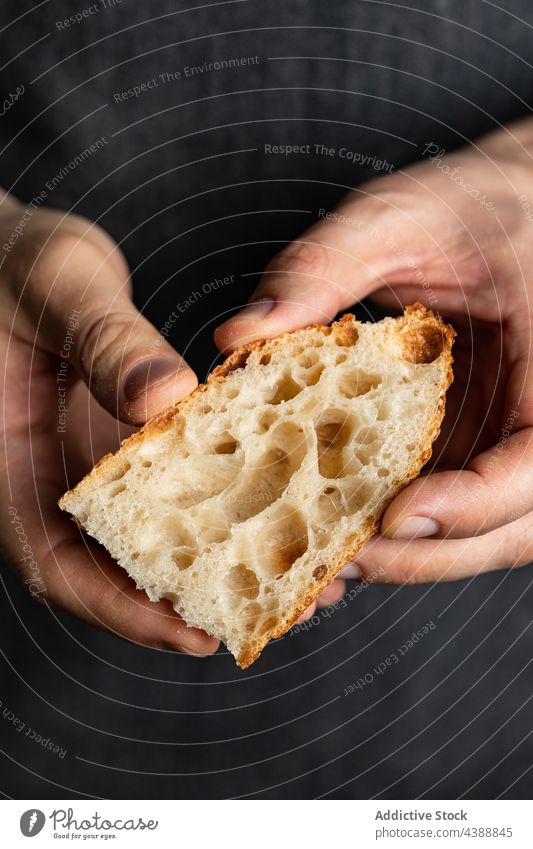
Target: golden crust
{"type": "Point", "coordinates": [424, 337]}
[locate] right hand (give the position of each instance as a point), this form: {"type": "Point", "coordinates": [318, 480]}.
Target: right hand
{"type": "Point", "coordinates": [56, 265]}
{"type": "Point", "coordinates": [453, 232]}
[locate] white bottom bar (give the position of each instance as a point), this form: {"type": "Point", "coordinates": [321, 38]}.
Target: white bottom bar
{"type": "Point", "coordinates": [264, 824]}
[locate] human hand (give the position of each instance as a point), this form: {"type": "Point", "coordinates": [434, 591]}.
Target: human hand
{"type": "Point", "coordinates": [71, 337]}
{"type": "Point", "coordinates": [453, 233]}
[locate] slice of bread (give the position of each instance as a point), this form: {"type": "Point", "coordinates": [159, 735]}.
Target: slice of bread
{"type": "Point", "coordinates": [244, 501]}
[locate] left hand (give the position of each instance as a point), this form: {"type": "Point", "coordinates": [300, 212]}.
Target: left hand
{"type": "Point", "coordinates": [77, 357]}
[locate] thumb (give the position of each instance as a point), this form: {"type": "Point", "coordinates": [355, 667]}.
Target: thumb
{"type": "Point", "coordinates": [332, 265]}
{"type": "Point", "coordinates": [91, 324]}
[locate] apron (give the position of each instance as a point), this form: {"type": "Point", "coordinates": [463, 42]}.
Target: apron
{"type": "Point", "coordinates": [201, 139]}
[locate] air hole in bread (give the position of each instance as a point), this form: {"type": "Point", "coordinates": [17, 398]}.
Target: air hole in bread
{"type": "Point", "coordinates": [147, 464]}
{"type": "Point", "coordinates": [222, 443]}
{"type": "Point", "coordinates": [282, 542]}
{"type": "Point", "coordinates": [266, 421]}
{"type": "Point", "coordinates": [126, 466]}
{"type": "Point", "coordinates": [364, 456]}
{"type": "Point", "coordinates": [267, 478]}
{"type": "Point", "coordinates": [383, 473]}
{"type": "Point", "coordinates": [237, 361]}
{"type": "Point", "coordinates": [291, 437]}
{"type": "Point", "coordinates": [308, 359]}
{"type": "Point", "coordinates": [116, 490]}
{"type": "Point", "coordinates": [286, 389]}
{"type": "Point", "coordinates": [329, 505]}
{"type": "Point", "coordinates": [312, 376]}
{"type": "Point", "coordinates": [333, 433]}
{"type": "Point", "coordinates": [243, 582]}
{"type": "Point", "coordinates": [183, 558]}
{"type": "Point", "coordinates": [265, 359]}
{"type": "Point", "coordinates": [319, 572]}
{"type": "Point", "coordinates": [226, 447]}
{"type": "Point", "coordinates": [357, 383]}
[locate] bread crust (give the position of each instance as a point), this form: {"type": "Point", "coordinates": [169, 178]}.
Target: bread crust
{"type": "Point", "coordinates": [425, 337]}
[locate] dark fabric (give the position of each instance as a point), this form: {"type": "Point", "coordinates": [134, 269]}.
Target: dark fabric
{"type": "Point", "coordinates": [181, 179]}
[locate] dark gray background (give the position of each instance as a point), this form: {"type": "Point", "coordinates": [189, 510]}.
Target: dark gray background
{"type": "Point", "coordinates": [384, 79]}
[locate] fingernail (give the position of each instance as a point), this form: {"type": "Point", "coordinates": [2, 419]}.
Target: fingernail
{"type": "Point", "coordinates": [351, 572]}
{"type": "Point", "coordinates": [414, 527]}
{"type": "Point", "coordinates": [148, 374]}
{"type": "Point", "coordinates": [256, 310]}
{"type": "Point", "coordinates": [192, 653]}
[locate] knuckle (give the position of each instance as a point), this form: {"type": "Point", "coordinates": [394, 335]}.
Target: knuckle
{"type": "Point", "coordinates": [308, 258]}
{"type": "Point", "coordinates": [408, 571]}
{"type": "Point", "coordinates": [517, 544]}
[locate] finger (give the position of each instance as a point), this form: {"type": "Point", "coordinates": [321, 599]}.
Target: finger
{"type": "Point", "coordinates": [493, 490]}
{"type": "Point", "coordinates": [332, 265]}
{"type": "Point", "coordinates": [87, 583]}
{"type": "Point", "coordinates": [90, 323]}
{"type": "Point", "coordinates": [91, 433]}
{"type": "Point", "coordinates": [306, 614]}
{"type": "Point", "coordinates": [425, 560]}
{"type": "Point", "coordinates": [333, 593]}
